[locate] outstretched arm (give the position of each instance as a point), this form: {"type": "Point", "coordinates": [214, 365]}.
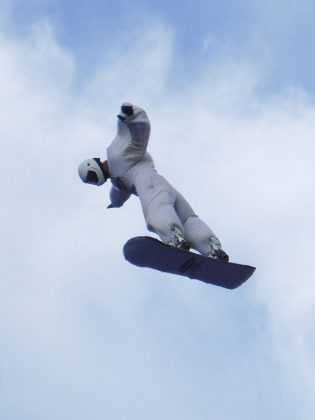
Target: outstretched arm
{"type": "Point", "coordinates": [136, 120]}
{"type": "Point", "coordinates": [117, 197]}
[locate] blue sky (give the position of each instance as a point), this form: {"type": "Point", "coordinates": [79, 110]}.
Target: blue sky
{"type": "Point", "coordinates": [229, 90]}
{"type": "Point", "coordinates": [281, 30]}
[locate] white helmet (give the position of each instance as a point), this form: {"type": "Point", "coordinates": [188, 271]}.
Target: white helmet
{"type": "Point", "coordinates": [91, 171]}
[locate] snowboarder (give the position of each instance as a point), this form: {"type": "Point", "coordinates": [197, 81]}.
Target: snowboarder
{"type": "Point", "coordinates": [131, 171]}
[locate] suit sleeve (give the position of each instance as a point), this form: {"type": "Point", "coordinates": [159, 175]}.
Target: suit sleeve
{"type": "Point", "coordinates": [139, 128]}
{"type": "Point", "coordinates": [118, 197]}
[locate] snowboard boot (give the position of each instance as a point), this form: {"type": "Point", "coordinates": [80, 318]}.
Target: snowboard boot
{"type": "Point", "coordinates": [216, 250]}
{"type": "Point", "coordinates": [177, 240]}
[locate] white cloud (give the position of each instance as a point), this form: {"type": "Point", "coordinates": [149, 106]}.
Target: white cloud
{"type": "Point", "coordinates": [85, 334]}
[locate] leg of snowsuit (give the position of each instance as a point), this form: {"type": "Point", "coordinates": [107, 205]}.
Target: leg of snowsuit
{"type": "Point", "coordinates": [158, 198]}
{"type": "Point", "coordinates": [165, 208]}
{"type": "Point", "coordinates": [198, 235]}
{"type": "Point", "coordinates": [196, 232]}
{"type": "Point", "coordinates": [161, 216]}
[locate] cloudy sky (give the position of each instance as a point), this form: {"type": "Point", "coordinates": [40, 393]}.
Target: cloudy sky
{"type": "Point", "coordinates": [229, 88]}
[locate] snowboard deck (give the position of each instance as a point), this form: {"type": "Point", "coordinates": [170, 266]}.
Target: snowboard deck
{"type": "Point", "coordinates": [144, 251]}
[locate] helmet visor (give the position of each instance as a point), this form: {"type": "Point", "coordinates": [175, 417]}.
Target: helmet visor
{"type": "Point", "coordinates": [92, 178]}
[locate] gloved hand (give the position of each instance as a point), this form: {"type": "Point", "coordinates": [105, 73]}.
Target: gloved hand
{"type": "Point", "coordinates": [127, 109]}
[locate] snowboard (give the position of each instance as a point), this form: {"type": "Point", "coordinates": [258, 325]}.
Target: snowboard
{"type": "Point", "coordinates": [144, 251]}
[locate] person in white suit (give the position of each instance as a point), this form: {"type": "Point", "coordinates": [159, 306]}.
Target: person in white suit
{"type": "Point", "coordinates": [131, 171]}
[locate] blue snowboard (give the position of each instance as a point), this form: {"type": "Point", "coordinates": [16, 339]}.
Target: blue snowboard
{"type": "Point", "coordinates": [144, 251]}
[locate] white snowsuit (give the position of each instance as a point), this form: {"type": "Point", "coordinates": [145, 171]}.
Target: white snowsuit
{"type": "Point", "coordinates": [132, 171]}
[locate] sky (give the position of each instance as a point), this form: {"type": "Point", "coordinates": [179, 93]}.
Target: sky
{"type": "Point", "coordinates": [229, 90]}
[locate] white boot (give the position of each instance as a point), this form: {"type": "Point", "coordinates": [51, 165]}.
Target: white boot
{"type": "Point", "coordinates": [177, 240]}
{"type": "Point", "coordinates": [216, 250]}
